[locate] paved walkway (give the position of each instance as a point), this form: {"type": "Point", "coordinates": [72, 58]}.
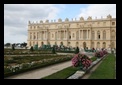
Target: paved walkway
{"type": "Point", "coordinates": [42, 72]}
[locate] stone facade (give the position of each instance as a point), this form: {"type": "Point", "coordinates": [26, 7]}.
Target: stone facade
{"type": "Point", "coordinates": [97, 33]}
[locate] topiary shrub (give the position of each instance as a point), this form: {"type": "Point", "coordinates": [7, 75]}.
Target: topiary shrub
{"type": "Point", "coordinates": [53, 50]}
{"type": "Point", "coordinates": [31, 49]}
{"type": "Point", "coordinates": [77, 50]}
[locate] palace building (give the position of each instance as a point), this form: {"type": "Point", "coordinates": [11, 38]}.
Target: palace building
{"type": "Point", "coordinates": [97, 33]}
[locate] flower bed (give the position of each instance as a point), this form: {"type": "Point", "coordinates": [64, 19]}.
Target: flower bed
{"type": "Point", "coordinates": [81, 60]}
{"type": "Point", "coordinates": [101, 53]}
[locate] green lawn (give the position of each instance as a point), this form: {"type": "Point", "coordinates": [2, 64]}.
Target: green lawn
{"type": "Point", "coordinates": [63, 74]}
{"type": "Point", "coordinates": [106, 70]}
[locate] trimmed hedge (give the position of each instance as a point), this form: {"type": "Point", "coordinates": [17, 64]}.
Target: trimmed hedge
{"type": "Point", "coordinates": [65, 51]}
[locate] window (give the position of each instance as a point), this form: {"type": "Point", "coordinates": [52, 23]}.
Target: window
{"type": "Point", "coordinates": [34, 37]}
{"type": "Point", "coordinates": [104, 34]}
{"type": "Point", "coordinates": [93, 35]}
{"type": "Point", "coordinates": [98, 44]}
{"type": "Point", "coordinates": [113, 23]}
{"type": "Point", "coordinates": [98, 35]}
{"type": "Point", "coordinates": [104, 45]}
{"type": "Point", "coordinates": [73, 35]}
{"type": "Point", "coordinates": [113, 34]}
{"type": "Point", "coordinates": [52, 35]}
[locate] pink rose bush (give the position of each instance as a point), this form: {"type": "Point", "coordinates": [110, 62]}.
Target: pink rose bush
{"type": "Point", "coordinates": [101, 53]}
{"type": "Point", "coordinates": [81, 60]}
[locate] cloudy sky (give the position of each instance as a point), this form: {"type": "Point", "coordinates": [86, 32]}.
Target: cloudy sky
{"type": "Point", "coordinates": [16, 16]}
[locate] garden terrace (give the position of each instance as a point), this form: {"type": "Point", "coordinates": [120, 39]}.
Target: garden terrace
{"type": "Point", "coordinates": [15, 65]}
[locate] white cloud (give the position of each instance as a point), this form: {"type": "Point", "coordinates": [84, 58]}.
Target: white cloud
{"type": "Point", "coordinates": [98, 10]}
{"type": "Point", "coordinates": [16, 17]}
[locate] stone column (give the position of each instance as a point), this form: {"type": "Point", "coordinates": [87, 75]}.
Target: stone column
{"type": "Point", "coordinates": [32, 35]}
{"type": "Point", "coordinates": [79, 34]}
{"type": "Point", "coordinates": [90, 34]}
{"type": "Point", "coordinates": [42, 34]}
{"type": "Point", "coordinates": [46, 35]}
{"type": "Point", "coordinates": [101, 35]}
{"type": "Point", "coordinates": [40, 37]}
{"type": "Point", "coordinates": [37, 35]}
{"type": "Point", "coordinates": [87, 34]}
{"type": "Point", "coordinates": [64, 35]}
{"type": "Point", "coordinates": [82, 35]}
{"type": "Point", "coordinates": [95, 33]}
{"type": "Point", "coordinates": [59, 35]}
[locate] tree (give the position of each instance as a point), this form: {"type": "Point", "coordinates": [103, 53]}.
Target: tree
{"type": "Point", "coordinates": [13, 48]}
{"type": "Point", "coordinates": [7, 44]}
{"type": "Point", "coordinates": [53, 50]}
{"type": "Point", "coordinates": [31, 49]}
{"type": "Point", "coordinates": [23, 44]}
{"type": "Point", "coordinates": [77, 50]}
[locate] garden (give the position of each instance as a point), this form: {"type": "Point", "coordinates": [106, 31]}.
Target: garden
{"type": "Point", "coordinates": [18, 64]}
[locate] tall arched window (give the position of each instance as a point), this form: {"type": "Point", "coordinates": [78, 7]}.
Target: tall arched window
{"type": "Point", "coordinates": [30, 36]}
{"type": "Point", "coordinates": [68, 43]}
{"type": "Point", "coordinates": [77, 44]}
{"type": "Point", "coordinates": [34, 37]}
{"type": "Point", "coordinates": [48, 43]}
{"type": "Point", "coordinates": [104, 35]}
{"type": "Point", "coordinates": [55, 35]}
{"type": "Point", "coordinates": [52, 35]}
{"type": "Point", "coordinates": [84, 45]}
{"type": "Point", "coordinates": [92, 45]}
{"type": "Point", "coordinates": [42, 43]}
{"type": "Point", "coordinates": [61, 43]}
{"type": "Point", "coordinates": [93, 35]}
{"type": "Point", "coordinates": [30, 44]}
{"type": "Point", "coordinates": [69, 35]}
{"type": "Point", "coordinates": [55, 43]}
{"type": "Point", "coordinates": [104, 45]}
{"type": "Point", "coordinates": [77, 35]}
{"type": "Point", "coordinates": [113, 34]}
{"type": "Point", "coordinates": [112, 45]}
{"type": "Point", "coordinates": [73, 35]}
{"type": "Point", "coordinates": [98, 35]}
{"type": "Point", "coordinates": [98, 44]}
{"type": "Point", "coordinates": [49, 36]}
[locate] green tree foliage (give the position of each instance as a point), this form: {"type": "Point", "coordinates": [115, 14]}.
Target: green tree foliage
{"type": "Point", "coordinates": [13, 48]}
{"type": "Point", "coordinates": [31, 49]}
{"type": "Point", "coordinates": [53, 50]}
{"type": "Point", "coordinates": [77, 50]}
